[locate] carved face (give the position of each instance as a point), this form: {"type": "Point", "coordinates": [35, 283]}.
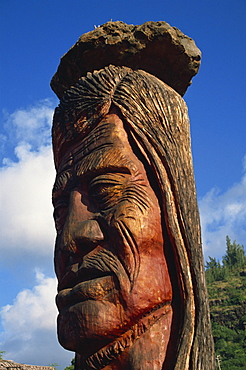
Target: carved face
{"type": "Point", "coordinates": [109, 256]}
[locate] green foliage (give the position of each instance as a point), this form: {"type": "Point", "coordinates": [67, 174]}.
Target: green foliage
{"type": "Point", "coordinates": [1, 354]}
{"type": "Point", "coordinates": [215, 271]}
{"type": "Point", "coordinates": [234, 259]}
{"type": "Point", "coordinates": [54, 365]}
{"type": "Point", "coordinates": [71, 367]}
{"type": "Point", "coordinates": [227, 294]}
{"type": "Point", "coordinates": [230, 345]}
{"type": "Point", "coordinates": [235, 256]}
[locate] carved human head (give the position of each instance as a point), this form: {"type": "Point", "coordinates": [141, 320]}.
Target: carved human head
{"type": "Point", "coordinates": [124, 196]}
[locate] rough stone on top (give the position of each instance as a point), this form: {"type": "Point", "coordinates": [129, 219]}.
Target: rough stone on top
{"type": "Point", "coordinates": [154, 47]}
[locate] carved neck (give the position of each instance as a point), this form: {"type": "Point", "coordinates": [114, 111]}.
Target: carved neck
{"type": "Point", "coordinates": [143, 346]}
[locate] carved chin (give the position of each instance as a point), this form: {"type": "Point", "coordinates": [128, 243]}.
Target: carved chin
{"type": "Point", "coordinates": [84, 324]}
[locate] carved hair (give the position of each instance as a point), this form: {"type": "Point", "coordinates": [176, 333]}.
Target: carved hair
{"type": "Point", "coordinates": [156, 120]}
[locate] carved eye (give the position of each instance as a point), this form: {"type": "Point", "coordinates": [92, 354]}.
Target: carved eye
{"type": "Point", "coordinates": [105, 196]}
{"type": "Point", "coordinates": [60, 215]}
{"type": "Point", "coordinates": [105, 191]}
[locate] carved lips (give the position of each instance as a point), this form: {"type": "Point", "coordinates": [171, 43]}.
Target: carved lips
{"type": "Point", "coordinates": [93, 288]}
{"type": "Point", "coordinates": [97, 278]}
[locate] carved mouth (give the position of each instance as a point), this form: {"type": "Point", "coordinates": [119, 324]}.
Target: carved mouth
{"type": "Point", "coordinates": [93, 288]}
{"type": "Point", "coordinates": [78, 274]}
{"type": "Point", "coordinates": [98, 274]}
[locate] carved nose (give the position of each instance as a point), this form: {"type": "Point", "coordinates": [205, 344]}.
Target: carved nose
{"type": "Point", "coordinates": [88, 231]}
{"type": "Point", "coordinates": [81, 235]}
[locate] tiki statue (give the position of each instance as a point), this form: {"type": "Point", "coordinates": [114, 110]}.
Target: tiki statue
{"type": "Point", "coordinates": [131, 291]}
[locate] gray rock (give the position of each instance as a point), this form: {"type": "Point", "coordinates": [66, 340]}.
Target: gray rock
{"type": "Point", "coordinates": [155, 47]}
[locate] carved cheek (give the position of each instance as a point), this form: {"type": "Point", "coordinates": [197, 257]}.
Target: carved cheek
{"type": "Point", "coordinates": [126, 236]}
{"type": "Point", "coordinates": [128, 213]}
{"type": "Point", "coordinates": [140, 224]}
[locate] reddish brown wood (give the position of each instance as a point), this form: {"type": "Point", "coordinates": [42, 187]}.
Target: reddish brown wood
{"type": "Point", "coordinates": [128, 258]}
{"type": "Point", "coordinates": [109, 253]}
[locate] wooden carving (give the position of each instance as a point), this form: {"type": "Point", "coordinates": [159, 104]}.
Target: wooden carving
{"type": "Point", "coordinates": [131, 289]}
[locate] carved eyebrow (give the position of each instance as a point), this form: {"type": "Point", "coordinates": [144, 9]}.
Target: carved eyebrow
{"type": "Point", "coordinates": [101, 160]}
{"type": "Point", "coordinates": [104, 158]}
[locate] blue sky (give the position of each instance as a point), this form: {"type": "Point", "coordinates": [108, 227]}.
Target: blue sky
{"type": "Point", "coordinates": [34, 35]}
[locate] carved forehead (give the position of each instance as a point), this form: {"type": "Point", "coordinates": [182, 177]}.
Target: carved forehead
{"type": "Point", "coordinates": [143, 100]}
{"type": "Point", "coordinates": [105, 148]}
{"type": "Point", "coordinates": [83, 106]}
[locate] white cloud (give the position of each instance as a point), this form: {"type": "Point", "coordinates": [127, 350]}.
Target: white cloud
{"type": "Point", "coordinates": [32, 308]}
{"type": "Point", "coordinates": [27, 224]}
{"type": "Point", "coordinates": [29, 324]}
{"type": "Point", "coordinates": [25, 199]}
{"type": "Point", "coordinates": [31, 125]}
{"type": "Point", "coordinates": [27, 238]}
{"type": "Point", "coordinates": [221, 215]}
